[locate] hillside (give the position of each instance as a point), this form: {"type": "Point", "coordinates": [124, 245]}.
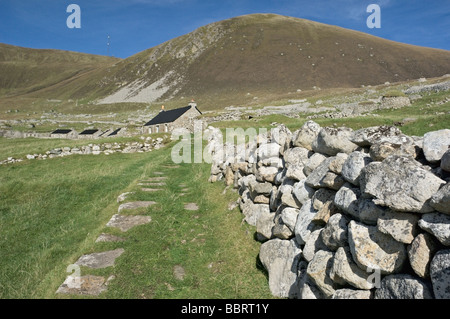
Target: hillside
{"type": "Point", "coordinates": [24, 70]}
{"type": "Point", "coordinates": [241, 61]}
{"type": "Point", "coordinates": [265, 53]}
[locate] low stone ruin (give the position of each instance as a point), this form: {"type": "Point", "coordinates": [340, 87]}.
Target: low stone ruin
{"type": "Point", "coordinates": [93, 149]}
{"type": "Point", "coordinates": [345, 214]}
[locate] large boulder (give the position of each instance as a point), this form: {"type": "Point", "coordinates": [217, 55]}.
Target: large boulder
{"type": "Point", "coordinates": [280, 258]}
{"type": "Point", "coordinates": [435, 144]}
{"type": "Point", "coordinates": [372, 249]}
{"type": "Point", "coordinates": [400, 183]}
{"type": "Point", "coordinates": [403, 286]}
{"type": "Point", "coordinates": [332, 141]}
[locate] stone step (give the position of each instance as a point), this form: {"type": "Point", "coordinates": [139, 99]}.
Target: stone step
{"type": "Point", "coordinates": [108, 238]}
{"type": "Point", "coordinates": [150, 190]}
{"type": "Point", "coordinates": [152, 184]}
{"type": "Point", "coordinates": [100, 260]}
{"type": "Point", "coordinates": [191, 206]}
{"type": "Point", "coordinates": [86, 285]}
{"type": "Point", "coordinates": [154, 179]}
{"type": "Point", "coordinates": [135, 205]}
{"type": "Point", "coordinates": [125, 223]}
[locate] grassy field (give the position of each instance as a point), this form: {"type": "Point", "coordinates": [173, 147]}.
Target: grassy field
{"type": "Point", "coordinates": [52, 211]}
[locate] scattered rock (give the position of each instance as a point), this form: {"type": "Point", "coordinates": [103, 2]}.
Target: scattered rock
{"type": "Point", "coordinates": [178, 272]}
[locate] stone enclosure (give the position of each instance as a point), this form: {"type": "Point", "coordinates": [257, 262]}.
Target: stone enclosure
{"type": "Point", "coordinates": [345, 214]}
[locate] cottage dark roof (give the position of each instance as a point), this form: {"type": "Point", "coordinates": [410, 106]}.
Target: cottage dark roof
{"type": "Point", "coordinates": [88, 132]}
{"type": "Point", "coordinates": [115, 132]}
{"type": "Point", "coordinates": [168, 116]}
{"type": "Point", "coordinates": [61, 132]}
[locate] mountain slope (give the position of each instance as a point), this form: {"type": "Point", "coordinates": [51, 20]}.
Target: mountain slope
{"type": "Point", "coordinates": [268, 53]}
{"type": "Point", "coordinates": [24, 70]}
{"type": "Point", "coordinates": [234, 60]}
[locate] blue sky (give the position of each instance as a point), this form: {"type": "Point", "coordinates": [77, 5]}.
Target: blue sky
{"type": "Point", "coordinates": [136, 25]}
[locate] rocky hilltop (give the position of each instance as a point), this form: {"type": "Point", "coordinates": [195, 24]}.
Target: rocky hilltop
{"type": "Point", "coordinates": [345, 214]}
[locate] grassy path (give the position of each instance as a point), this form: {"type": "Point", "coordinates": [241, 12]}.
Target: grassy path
{"type": "Point", "coordinates": [51, 213]}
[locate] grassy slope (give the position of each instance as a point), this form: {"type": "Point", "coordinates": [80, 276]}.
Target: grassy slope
{"type": "Point", "coordinates": [52, 211]}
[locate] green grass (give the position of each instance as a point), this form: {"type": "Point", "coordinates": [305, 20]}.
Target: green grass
{"type": "Point", "coordinates": [52, 211]}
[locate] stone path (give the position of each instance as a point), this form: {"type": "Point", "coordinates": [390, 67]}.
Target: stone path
{"type": "Point", "coordinates": [100, 260]}
{"type": "Point", "coordinates": [75, 284]}
{"type": "Point", "coordinates": [125, 223]}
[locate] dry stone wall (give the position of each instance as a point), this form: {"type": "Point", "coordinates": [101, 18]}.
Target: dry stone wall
{"type": "Point", "coordinates": [92, 149]}
{"type": "Point", "coordinates": [345, 214]}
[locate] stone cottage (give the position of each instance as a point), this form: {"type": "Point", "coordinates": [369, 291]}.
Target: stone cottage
{"type": "Point", "coordinates": [167, 121]}
{"type": "Point", "coordinates": [64, 133]}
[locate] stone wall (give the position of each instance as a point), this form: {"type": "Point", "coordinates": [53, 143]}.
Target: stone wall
{"type": "Point", "coordinates": [93, 149]}
{"type": "Point", "coordinates": [345, 214]}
